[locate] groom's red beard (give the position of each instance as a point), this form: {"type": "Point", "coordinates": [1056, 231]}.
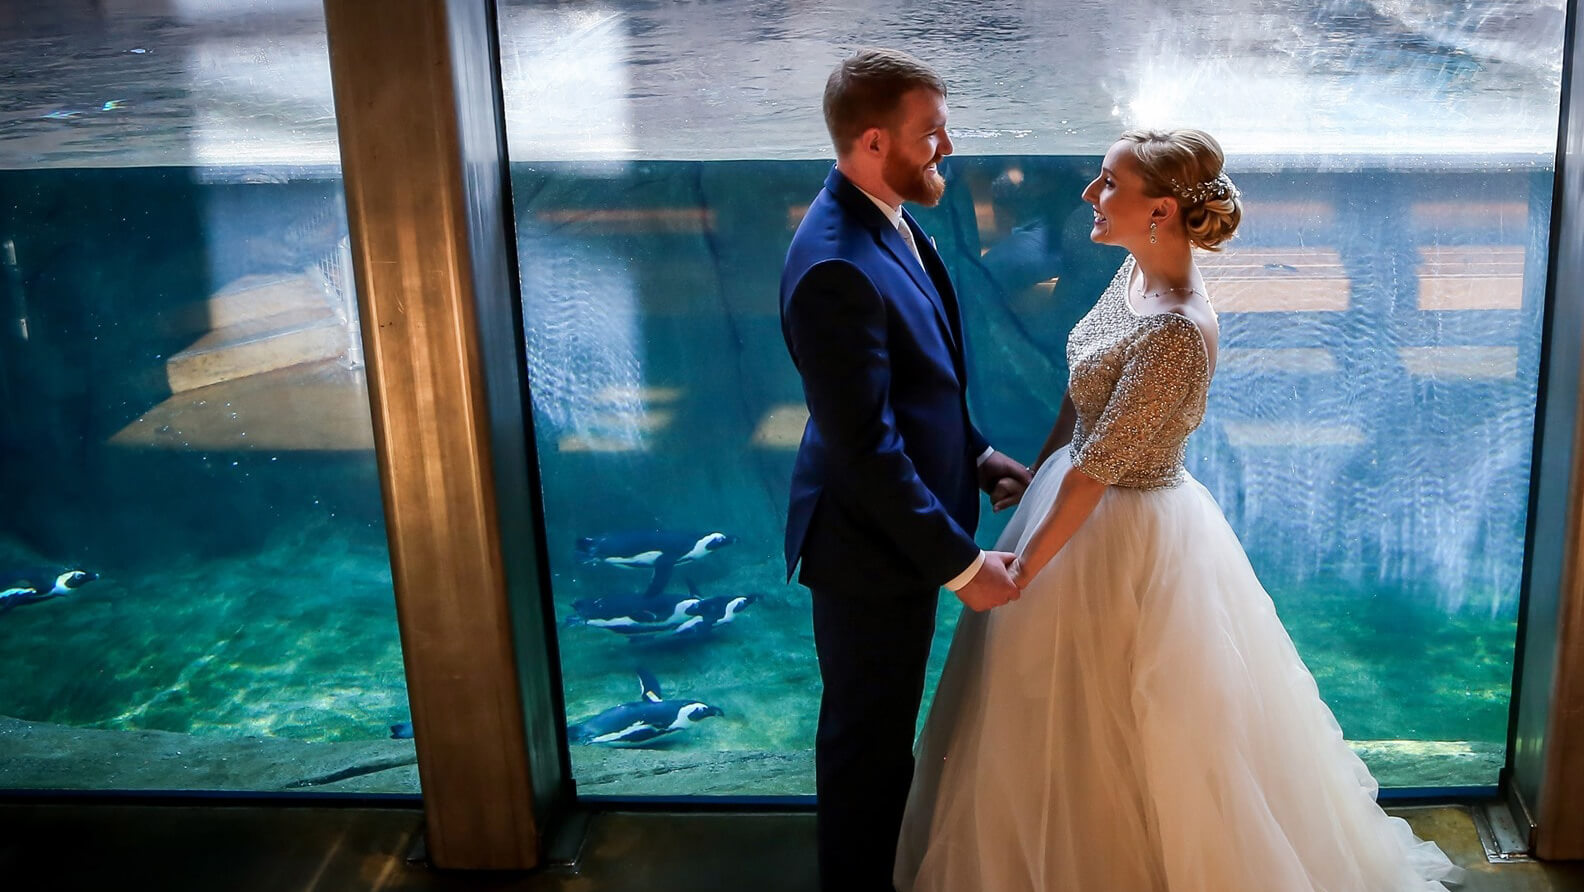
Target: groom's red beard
{"type": "Point", "coordinates": [912, 183]}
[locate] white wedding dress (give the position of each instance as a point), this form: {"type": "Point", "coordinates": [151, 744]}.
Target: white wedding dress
{"type": "Point", "coordinates": [1139, 720]}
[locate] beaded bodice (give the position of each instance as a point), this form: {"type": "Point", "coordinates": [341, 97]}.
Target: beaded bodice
{"type": "Point", "coordinates": [1139, 383]}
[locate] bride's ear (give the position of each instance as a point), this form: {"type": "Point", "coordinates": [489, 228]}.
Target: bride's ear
{"type": "Point", "coordinates": [1165, 209]}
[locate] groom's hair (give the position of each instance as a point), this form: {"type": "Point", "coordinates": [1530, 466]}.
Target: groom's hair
{"type": "Point", "coordinates": [866, 88]}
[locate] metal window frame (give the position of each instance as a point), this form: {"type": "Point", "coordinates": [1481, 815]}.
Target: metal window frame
{"type": "Point", "coordinates": [1545, 763]}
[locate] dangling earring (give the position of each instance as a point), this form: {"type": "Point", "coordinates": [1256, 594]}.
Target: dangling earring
{"type": "Point", "coordinates": [1152, 232]}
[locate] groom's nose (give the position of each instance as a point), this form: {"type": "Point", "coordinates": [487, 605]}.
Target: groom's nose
{"type": "Point", "coordinates": [945, 144]}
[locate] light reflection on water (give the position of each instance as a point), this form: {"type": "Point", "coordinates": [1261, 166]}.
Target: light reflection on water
{"type": "Point", "coordinates": [245, 83]}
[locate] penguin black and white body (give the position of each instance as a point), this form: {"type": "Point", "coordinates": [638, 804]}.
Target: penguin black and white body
{"type": "Point", "coordinates": [712, 613]}
{"type": "Point", "coordinates": [656, 550]}
{"type": "Point", "coordinates": [634, 614]}
{"type": "Point", "coordinates": [643, 721]}
{"type": "Point", "coordinates": [51, 581]}
{"type": "Point", "coordinates": [708, 614]}
{"type": "Point", "coordinates": [34, 585]}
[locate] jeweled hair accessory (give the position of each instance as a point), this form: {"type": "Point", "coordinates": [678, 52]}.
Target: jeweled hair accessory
{"type": "Point", "coordinates": [1220, 187]}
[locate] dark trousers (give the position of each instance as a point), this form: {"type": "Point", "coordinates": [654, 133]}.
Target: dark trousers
{"type": "Point", "coordinates": [872, 653]}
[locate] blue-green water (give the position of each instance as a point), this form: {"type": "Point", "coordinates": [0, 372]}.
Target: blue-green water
{"type": "Point", "coordinates": [1380, 489]}
{"type": "Point", "coordinates": [1373, 456]}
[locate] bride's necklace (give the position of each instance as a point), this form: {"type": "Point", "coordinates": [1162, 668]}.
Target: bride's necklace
{"type": "Point", "coordinates": [1186, 289]}
{"type": "Point", "coordinates": [1165, 291]}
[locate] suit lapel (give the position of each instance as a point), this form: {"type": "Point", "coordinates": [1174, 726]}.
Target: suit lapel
{"type": "Point", "coordinates": [853, 199]}
{"type": "Point", "coordinates": [940, 289]}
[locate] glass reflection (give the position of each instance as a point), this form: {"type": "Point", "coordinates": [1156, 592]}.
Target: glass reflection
{"type": "Point", "coordinates": [185, 414]}
{"type": "Point", "coordinates": [1370, 426]}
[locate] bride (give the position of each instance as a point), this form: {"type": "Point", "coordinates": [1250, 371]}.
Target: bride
{"type": "Point", "coordinates": [1139, 720]}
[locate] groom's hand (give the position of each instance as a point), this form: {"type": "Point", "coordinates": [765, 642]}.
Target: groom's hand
{"type": "Point", "coordinates": [1004, 479]}
{"type": "Point", "coordinates": [992, 586]}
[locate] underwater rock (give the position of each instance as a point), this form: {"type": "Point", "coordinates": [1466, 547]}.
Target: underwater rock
{"type": "Point", "coordinates": [676, 772]}
{"type": "Point", "coordinates": [45, 756]}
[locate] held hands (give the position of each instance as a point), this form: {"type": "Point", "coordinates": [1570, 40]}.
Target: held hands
{"type": "Point", "coordinates": [1021, 573]}
{"type": "Point", "coordinates": [1004, 479]}
{"type": "Point", "coordinates": [992, 586]}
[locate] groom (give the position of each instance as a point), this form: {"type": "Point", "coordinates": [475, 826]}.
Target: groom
{"type": "Point", "coordinates": [885, 489]}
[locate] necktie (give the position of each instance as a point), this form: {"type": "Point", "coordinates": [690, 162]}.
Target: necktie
{"type": "Point", "coordinates": [907, 236]}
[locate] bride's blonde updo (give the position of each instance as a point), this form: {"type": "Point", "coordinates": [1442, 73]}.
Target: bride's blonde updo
{"type": "Point", "coordinates": [1187, 165]}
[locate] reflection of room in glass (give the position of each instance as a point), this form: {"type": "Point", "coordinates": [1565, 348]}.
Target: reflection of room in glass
{"type": "Point", "coordinates": [1332, 440]}
{"type": "Point", "coordinates": [186, 415]}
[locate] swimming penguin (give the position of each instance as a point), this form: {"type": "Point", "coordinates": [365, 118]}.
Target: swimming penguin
{"type": "Point", "coordinates": [660, 550]}
{"type": "Point", "coordinates": [708, 614]}
{"type": "Point", "coordinates": [33, 586]}
{"type": "Point", "coordinates": [712, 613]}
{"type": "Point", "coordinates": [52, 583]}
{"type": "Point", "coordinates": [633, 614]}
{"type": "Point", "coordinates": [643, 721]}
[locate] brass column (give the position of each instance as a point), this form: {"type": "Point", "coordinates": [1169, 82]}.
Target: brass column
{"type": "Point", "coordinates": [423, 155]}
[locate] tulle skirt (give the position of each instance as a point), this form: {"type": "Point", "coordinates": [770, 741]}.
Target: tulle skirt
{"type": "Point", "coordinates": [1139, 721]}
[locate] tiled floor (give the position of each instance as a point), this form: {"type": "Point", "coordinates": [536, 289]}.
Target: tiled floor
{"type": "Point", "coordinates": [175, 848]}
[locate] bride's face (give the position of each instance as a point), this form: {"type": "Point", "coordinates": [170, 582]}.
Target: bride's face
{"type": "Point", "coordinates": [1121, 209]}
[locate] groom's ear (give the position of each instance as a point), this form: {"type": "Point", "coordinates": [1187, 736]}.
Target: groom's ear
{"type": "Point", "coordinates": [872, 141]}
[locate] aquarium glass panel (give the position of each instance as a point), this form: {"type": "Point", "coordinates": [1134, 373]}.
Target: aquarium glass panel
{"type": "Point", "coordinates": [1369, 430]}
{"type": "Point", "coordinates": [183, 413]}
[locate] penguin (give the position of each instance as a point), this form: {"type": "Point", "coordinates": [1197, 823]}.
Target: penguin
{"type": "Point", "coordinates": [401, 731]}
{"type": "Point", "coordinates": [658, 550]}
{"type": "Point", "coordinates": [49, 583]}
{"type": "Point", "coordinates": [712, 613]}
{"type": "Point", "coordinates": [633, 614]}
{"type": "Point", "coordinates": [643, 721]}
{"type": "Point", "coordinates": [33, 586]}
{"type": "Point", "coordinates": [709, 614]}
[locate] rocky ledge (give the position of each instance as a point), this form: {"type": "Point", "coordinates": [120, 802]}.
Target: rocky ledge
{"type": "Point", "coordinates": [37, 755]}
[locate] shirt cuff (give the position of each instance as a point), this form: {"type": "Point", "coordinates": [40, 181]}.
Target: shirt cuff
{"type": "Point", "coordinates": [989, 451]}
{"type": "Point", "coordinates": [962, 579]}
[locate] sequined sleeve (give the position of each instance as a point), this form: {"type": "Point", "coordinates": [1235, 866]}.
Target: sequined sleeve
{"type": "Point", "coordinates": [1164, 366]}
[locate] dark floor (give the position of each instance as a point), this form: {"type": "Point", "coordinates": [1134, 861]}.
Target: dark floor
{"type": "Point", "coordinates": [228, 849]}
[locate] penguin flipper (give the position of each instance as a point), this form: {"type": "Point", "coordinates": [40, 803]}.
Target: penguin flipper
{"type": "Point", "coordinates": [662, 575]}
{"type": "Point", "coordinates": [649, 687]}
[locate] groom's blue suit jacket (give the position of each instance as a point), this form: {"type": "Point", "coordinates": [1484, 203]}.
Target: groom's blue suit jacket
{"type": "Point", "coordinates": [884, 491]}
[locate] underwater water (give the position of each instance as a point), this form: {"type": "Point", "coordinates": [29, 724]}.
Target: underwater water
{"type": "Point", "coordinates": [1368, 433]}
{"type": "Point", "coordinates": [1368, 439]}
{"type": "Point", "coordinates": [184, 415]}
{"type": "Point", "coordinates": [183, 410]}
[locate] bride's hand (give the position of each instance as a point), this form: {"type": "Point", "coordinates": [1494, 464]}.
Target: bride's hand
{"type": "Point", "coordinates": [1016, 570]}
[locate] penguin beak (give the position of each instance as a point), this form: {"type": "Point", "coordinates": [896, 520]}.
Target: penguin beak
{"type": "Point", "coordinates": [715, 710]}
